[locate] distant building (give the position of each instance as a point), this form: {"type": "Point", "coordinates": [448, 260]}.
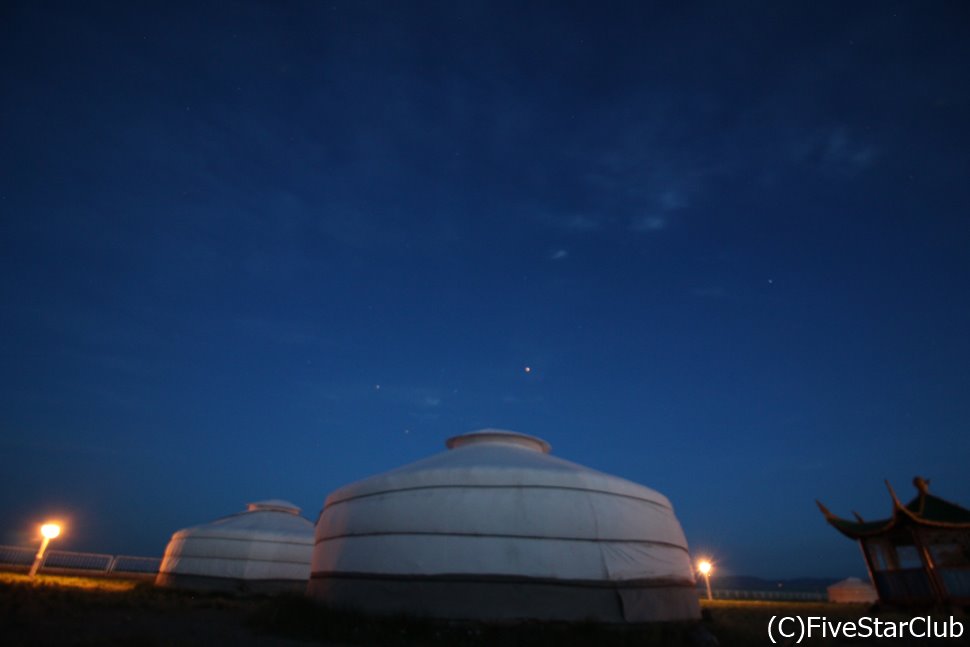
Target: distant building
{"type": "Point", "coordinates": [852, 591]}
{"type": "Point", "coordinates": [918, 556]}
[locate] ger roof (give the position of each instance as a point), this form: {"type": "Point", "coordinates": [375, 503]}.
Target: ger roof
{"type": "Point", "coordinates": [924, 510]}
{"type": "Point", "coordinates": [273, 519]}
{"type": "Point", "coordinates": [495, 458]}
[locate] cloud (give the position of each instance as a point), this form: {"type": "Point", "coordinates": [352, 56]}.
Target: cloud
{"type": "Point", "coordinates": [279, 331]}
{"type": "Point", "coordinates": [666, 203]}
{"type": "Point", "coordinates": [412, 397]}
{"type": "Point", "coordinates": [558, 255]}
{"type": "Point", "coordinates": [571, 223]}
{"type": "Point", "coordinates": [36, 442]}
{"type": "Point", "coordinates": [648, 223]}
{"type": "Point", "coordinates": [711, 292]}
{"type": "Point", "coordinates": [579, 222]}
{"type": "Point", "coordinates": [834, 150]}
{"type": "Point", "coordinates": [672, 200]}
{"type": "Point", "coordinates": [840, 151]}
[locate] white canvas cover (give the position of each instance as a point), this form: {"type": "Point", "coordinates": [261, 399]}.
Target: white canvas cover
{"type": "Point", "coordinates": [497, 508]}
{"type": "Point", "coordinates": [852, 590]}
{"type": "Point", "coordinates": [267, 547]}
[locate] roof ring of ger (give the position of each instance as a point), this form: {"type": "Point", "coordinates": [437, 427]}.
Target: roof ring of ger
{"type": "Point", "coordinates": [497, 528]}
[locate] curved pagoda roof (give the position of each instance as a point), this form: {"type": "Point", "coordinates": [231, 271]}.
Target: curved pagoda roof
{"type": "Point", "coordinates": [924, 510]}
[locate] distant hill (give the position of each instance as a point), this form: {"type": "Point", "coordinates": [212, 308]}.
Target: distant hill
{"type": "Point", "coordinates": [748, 583]}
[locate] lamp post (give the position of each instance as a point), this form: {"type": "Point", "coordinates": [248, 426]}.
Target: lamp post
{"type": "Point", "coordinates": [49, 531]}
{"type": "Point", "coordinates": [705, 568]}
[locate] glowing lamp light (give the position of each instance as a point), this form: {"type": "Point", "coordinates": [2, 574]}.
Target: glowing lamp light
{"type": "Point", "coordinates": [48, 531]}
{"type": "Point", "coordinates": [705, 567]}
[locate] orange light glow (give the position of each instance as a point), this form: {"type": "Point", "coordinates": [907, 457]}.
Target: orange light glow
{"type": "Point", "coordinates": [704, 567]}
{"type": "Point", "coordinates": [50, 530]}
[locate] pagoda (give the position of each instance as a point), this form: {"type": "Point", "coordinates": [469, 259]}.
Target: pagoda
{"type": "Point", "coordinates": [918, 556]}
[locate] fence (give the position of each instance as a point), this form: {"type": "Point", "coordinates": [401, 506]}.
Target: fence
{"type": "Point", "coordinates": [64, 562]}
{"type": "Point", "coordinates": [127, 566]}
{"type": "Point", "coordinates": [742, 594]}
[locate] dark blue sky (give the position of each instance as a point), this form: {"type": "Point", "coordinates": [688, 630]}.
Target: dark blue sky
{"type": "Point", "coordinates": [259, 250]}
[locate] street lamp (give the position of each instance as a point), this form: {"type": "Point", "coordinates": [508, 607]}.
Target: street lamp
{"type": "Point", "coordinates": [705, 568]}
{"type": "Point", "coordinates": [49, 531]}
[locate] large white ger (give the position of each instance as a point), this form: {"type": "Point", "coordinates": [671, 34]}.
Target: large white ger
{"type": "Point", "coordinates": [265, 549]}
{"type": "Point", "coordinates": [496, 528]}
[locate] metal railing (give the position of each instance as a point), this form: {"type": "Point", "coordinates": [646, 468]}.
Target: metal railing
{"type": "Point", "coordinates": [742, 594]}
{"type": "Point", "coordinates": [136, 565]}
{"type": "Point", "coordinates": [71, 563]}
{"type": "Point", "coordinates": [17, 556]}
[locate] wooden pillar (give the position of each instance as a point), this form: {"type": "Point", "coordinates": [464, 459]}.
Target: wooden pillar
{"type": "Point", "coordinates": [883, 596]}
{"type": "Point", "coordinates": [936, 583]}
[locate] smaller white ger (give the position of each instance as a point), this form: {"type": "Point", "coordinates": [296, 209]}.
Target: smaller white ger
{"type": "Point", "coordinates": [265, 549]}
{"type": "Point", "coordinates": [853, 590]}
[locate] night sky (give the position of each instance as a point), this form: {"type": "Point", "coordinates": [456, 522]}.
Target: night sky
{"type": "Point", "coordinates": [260, 250]}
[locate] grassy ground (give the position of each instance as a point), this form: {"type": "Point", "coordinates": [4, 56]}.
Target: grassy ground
{"type": "Point", "coordinates": [62, 610]}
{"type": "Point", "coordinates": [51, 610]}
{"type": "Point", "coordinates": [63, 581]}
{"type": "Point", "coordinates": [299, 617]}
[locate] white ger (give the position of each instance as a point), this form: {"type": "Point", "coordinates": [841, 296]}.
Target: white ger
{"type": "Point", "coordinates": [265, 549]}
{"type": "Point", "coordinates": [853, 590]}
{"type": "Point", "coordinates": [496, 528]}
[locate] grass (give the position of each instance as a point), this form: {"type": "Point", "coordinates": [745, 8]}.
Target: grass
{"type": "Point", "coordinates": [55, 590]}
{"type": "Point", "coordinates": [301, 618]}
{"type": "Point", "coordinates": [80, 610]}
{"type": "Point", "coordinates": [64, 581]}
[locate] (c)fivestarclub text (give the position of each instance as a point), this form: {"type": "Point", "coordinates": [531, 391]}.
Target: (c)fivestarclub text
{"type": "Point", "coordinates": [808, 627]}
